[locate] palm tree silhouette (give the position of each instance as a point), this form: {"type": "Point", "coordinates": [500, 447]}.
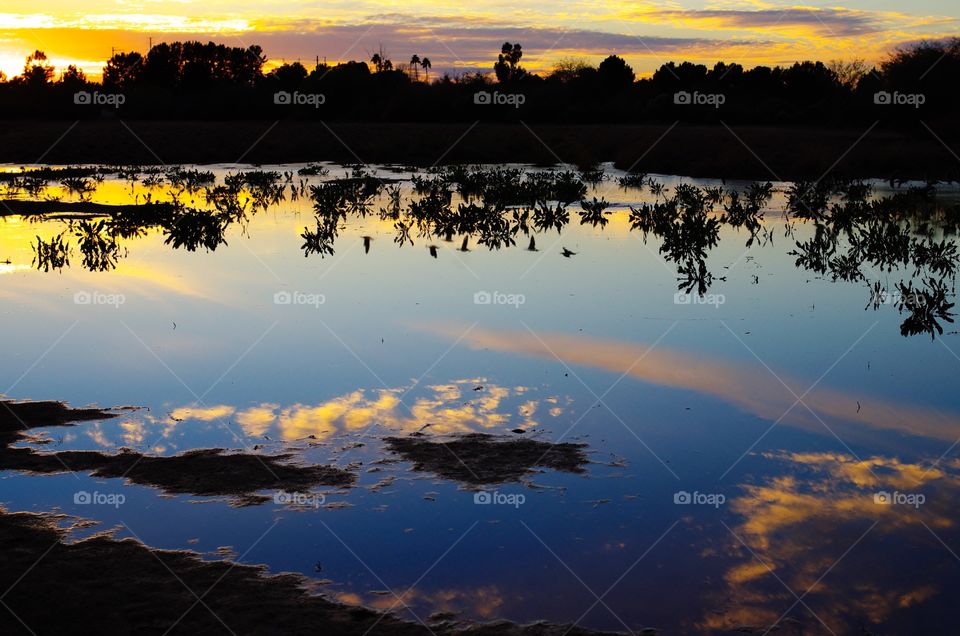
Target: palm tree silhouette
{"type": "Point", "coordinates": [425, 63]}
{"type": "Point", "coordinates": [380, 61]}
{"type": "Point", "coordinates": [415, 63]}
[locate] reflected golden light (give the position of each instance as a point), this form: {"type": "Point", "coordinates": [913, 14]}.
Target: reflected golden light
{"type": "Point", "coordinates": [203, 414]}
{"type": "Point", "coordinates": [133, 432]}
{"type": "Point", "coordinates": [12, 268]}
{"type": "Point", "coordinates": [647, 34]}
{"type": "Point", "coordinates": [256, 421]}
{"type": "Point", "coordinates": [798, 525]}
{"type": "Point", "coordinates": [445, 410]}
{"type": "Point", "coordinates": [485, 602]}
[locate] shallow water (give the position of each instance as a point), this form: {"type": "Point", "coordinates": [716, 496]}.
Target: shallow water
{"type": "Point", "coordinates": [739, 441]}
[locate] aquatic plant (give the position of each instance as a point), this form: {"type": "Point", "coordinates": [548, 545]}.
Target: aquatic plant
{"type": "Point", "coordinates": [547, 217]}
{"type": "Point", "coordinates": [313, 170]}
{"type": "Point", "coordinates": [320, 240]}
{"type": "Point", "coordinates": [927, 306]}
{"type": "Point", "coordinates": [53, 254]}
{"type": "Point", "coordinates": [80, 186]}
{"type": "Point", "coordinates": [635, 180]}
{"type": "Point", "coordinates": [192, 229]}
{"type": "Point", "coordinates": [594, 212]}
{"type": "Point", "coordinates": [99, 247]}
{"type": "Point", "coordinates": [190, 180]}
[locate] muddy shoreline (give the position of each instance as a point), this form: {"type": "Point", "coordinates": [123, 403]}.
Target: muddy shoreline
{"type": "Point", "coordinates": [102, 585]}
{"type": "Point", "coordinates": [105, 585]}
{"type": "Point", "coordinates": [737, 152]}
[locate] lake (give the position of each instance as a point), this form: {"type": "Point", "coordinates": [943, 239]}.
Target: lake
{"type": "Point", "coordinates": [686, 405]}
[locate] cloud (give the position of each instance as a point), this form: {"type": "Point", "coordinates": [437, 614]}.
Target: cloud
{"type": "Point", "coordinates": [467, 40]}
{"type": "Point", "coordinates": [749, 388]}
{"type": "Point", "coordinates": [820, 516]}
{"type": "Point", "coordinates": [446, 409]}
{"type": "Point", "coordinates": [451, 45]}
{"type": "Point", "coordinates": [835, 22]}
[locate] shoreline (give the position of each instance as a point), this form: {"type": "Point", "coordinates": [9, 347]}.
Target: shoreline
{"type": "Point", "coordinates": [765, 153]}
{"type": "Point", "coordinates": [104, 581]}
{"type": "Point", "coordinates": [114, 585]}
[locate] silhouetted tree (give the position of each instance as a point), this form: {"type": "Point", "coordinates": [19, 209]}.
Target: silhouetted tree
{"type": "Point", "coordinates": [569, 69]}
{"type": "Point", "coordinates": [37, 71]}
{"type": "Point", "coordinates": [288, 76]}
{"type": "Point", "coordinates": [123, 70]}
{"type": "Point", "coordinates": [208, 80]}
{"type": "Point", "coordinates": [381, 63]}
{"type": "Point", "coordinates": [414, 64]}
{"type": "Point", "coordinates": [930, 69]}
{"type": "Point", "coordinates": [848, 73]}
{"type": "Point", "coordinates": [508, 67]}
{"type": "Point", "coordinates": [672, 76]}
{"type": "Point", "coordinates": [810, 80]}
{"type": "Point", "coordinates": [614, 72]}
{"type": "Point", "coordinates": [73, 77]}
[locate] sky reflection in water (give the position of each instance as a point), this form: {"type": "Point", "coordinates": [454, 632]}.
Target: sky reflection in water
{"type": "Point", "coordinates": [789, 399]}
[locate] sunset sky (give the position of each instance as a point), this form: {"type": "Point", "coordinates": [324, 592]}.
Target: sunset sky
{"type": "Point", "coordinates": [466, 36]}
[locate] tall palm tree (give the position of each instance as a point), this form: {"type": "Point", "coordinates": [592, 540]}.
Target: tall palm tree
{"type": "Point", "coordinates": [425, 63]}
{"type": "Point", "coordinates": [381, 62]}
{"type": "Point", "coordinates": [415, 63]}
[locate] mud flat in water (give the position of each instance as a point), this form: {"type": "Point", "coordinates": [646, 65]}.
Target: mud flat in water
{"type": "Point", "coordinates": [479, 458]}
{"type": "Point", "coordinates": [205, 472]}
{"type": "Point", "coordinates": [104, 585]}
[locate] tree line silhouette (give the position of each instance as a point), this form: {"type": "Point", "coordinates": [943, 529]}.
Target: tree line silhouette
{"type": "Point", "coordinates": [193, 80]}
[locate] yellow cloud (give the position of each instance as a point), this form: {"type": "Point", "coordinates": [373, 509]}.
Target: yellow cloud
{"type": "Point", "coordinates": [203, 414]}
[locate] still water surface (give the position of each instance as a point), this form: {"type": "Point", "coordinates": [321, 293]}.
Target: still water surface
{"type": "Point", "coordinates": [739, 441]}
